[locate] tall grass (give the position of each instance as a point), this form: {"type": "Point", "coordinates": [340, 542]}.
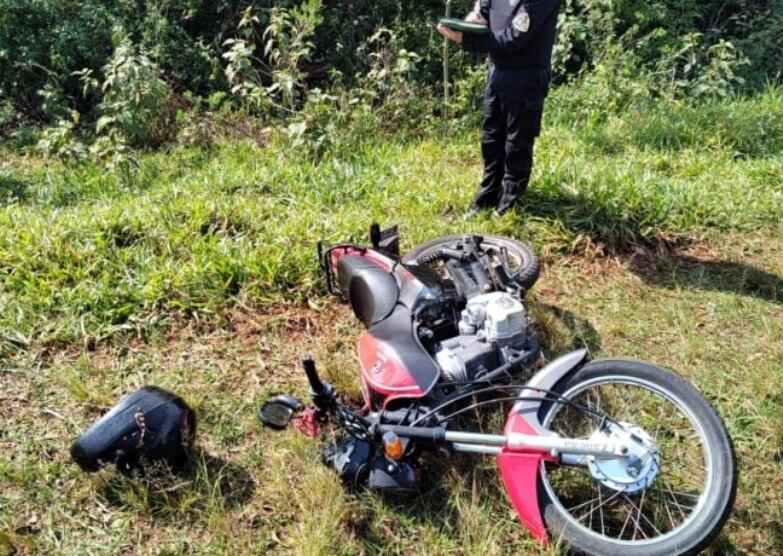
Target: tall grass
{"type": "Point", "coordinates": [83, 251]}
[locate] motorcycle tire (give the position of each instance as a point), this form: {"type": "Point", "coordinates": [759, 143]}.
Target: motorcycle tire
{"type": "Point", "coordinates": [712, 506]}
{"type": "Point", "coordinates": [526, 274]}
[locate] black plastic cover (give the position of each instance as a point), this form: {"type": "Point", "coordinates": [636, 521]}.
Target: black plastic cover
{"type": "Point", "coordinates": [392, 477]}
{"type": "Point", "coordinates": [350, 456]}
{"type": "Point", "coordinates": [150, 424]}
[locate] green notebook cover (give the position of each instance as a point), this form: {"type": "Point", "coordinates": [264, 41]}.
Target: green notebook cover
{"type": "Point", "coordinates": [464, 26]}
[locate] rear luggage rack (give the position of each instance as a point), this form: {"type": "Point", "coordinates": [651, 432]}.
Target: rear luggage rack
{"type": "Point", "coordinates": [325, 262]}
{"type": "Point", "coordinates": [386, 241]}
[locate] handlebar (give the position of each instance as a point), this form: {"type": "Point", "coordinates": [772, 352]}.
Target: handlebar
{"type": "Point", "coordinates": [308, 364]}
{"type": "Point", "coordinates": [430, 434]}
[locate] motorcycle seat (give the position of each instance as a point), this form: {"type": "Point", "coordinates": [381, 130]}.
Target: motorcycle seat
{"type": "Point", "coordinates": [372, 291]}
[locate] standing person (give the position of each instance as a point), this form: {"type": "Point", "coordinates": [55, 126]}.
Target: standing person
{"type": "Point", "coordinates": [520, 42]}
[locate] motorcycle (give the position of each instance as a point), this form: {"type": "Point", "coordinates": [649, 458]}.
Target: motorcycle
{"type": "Point", "coordinates": [608, 456]}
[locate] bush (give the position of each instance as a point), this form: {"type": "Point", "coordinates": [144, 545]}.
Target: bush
{"type": "Point", "coordinates": [61, 140]}
{"type": "Point", "coordinates": [660, 30]}
{"type": "Point", "coordinates": [133, 95]}
{"type": "Point", "coordinates": [273, 79]}
{"type": "Point", "coordinates": [271, 53]}
{"type": "Point", "coordinates": [130, 112]}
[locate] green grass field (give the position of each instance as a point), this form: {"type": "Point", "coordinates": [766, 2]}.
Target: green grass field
{"type": "Point", "coordinates": [660, 229]}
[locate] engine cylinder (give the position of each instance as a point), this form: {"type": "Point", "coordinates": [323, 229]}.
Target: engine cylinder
{"type": "Point", "coordinates": [489, 323]}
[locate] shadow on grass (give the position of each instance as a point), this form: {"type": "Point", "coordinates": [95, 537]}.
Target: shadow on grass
{"type": "Point", "coordinates": [560, 330]}
{"type": "Point", "coordinates": [607, 223]}
{"type": "Point", "coordinates": [655, 255]}
{"type": "Point", "coordinates": [205, 482]}
{"type": "Point", "coordinates": [434, 504]}
{"type": "Point", "coordinates": [12, 190]}
{"type": "Point", "coordinates": [676, 270]}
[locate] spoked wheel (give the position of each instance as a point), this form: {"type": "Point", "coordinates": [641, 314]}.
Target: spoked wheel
{"type": "Point", "coordinates": [520, 260]}
{"type": "Point", "coordinates": [674, 501]}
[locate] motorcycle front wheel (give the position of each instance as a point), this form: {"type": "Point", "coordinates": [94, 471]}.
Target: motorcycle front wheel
{"type": "Point", "coordinates": [689, 493]}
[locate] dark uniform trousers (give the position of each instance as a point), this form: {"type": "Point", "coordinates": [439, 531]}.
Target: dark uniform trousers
{"type": "Point", "coordinates": [511, 124]}
{"type": "Point", "coordinates": [519, 43]}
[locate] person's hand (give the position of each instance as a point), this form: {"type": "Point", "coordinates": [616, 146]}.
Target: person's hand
{"type": "Point", "coordinates": [450, 34]}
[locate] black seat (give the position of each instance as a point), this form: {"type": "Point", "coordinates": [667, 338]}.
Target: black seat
{"type": "Point", "coordinates": [372, 291]}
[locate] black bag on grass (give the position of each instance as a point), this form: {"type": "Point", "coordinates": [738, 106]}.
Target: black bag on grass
{"type": "Point", "coordinates": [150, 425]}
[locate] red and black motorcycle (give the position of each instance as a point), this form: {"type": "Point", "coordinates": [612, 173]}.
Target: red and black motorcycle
{"type": "Point", "coordinates": [609, 456]}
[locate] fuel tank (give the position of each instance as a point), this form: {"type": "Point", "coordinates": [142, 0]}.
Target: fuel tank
{"type": "Point", "coordinates": [394, 365]}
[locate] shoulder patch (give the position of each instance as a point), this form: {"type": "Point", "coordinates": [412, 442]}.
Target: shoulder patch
{"type": "Point", "coordinates": [521, 21]}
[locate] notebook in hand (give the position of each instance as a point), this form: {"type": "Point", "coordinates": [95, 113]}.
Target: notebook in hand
{"type": "Point", "coordinates": [464, 26]}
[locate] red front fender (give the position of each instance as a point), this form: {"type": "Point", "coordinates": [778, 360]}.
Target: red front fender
{"type": "Point", "coordinates": [520, 476]}
{"type": "Point", "coordinates": [519, 470]}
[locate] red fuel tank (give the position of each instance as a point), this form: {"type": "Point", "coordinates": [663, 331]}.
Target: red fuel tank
{"type": "Point", "coordinates": [384, 376]}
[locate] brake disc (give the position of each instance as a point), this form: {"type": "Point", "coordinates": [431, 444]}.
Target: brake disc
{"type": "Point", "coordinates": [633, 472]}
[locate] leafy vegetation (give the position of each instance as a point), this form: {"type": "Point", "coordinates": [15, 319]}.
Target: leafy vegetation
{"type": "Point", "coordinates": [271, 57]}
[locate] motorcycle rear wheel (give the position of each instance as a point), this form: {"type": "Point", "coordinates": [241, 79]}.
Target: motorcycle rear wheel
{"type": "Point", "coordinates": [686, 506]}
{"type": "Point", "coordinates": [526, 266]}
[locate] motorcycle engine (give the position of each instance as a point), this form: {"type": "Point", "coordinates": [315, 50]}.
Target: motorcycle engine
{"type": "Point", "coordinates": [492, 327]}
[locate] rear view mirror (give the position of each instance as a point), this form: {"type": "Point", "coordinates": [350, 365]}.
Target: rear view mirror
{"type": "Point", "coordinates": [277, 413]}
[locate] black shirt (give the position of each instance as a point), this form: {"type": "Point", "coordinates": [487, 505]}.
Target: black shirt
{"type": "Point", "coordinates": [522, 33]}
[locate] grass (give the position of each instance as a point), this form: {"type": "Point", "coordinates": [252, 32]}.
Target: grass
{"type": "Point", "coordinates": [660, 227]}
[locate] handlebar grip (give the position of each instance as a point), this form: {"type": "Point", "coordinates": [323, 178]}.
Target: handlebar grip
{"type": "Point", "coordinates": [308, 364]}
{"type": "Point", "coordinates": [431, 434]}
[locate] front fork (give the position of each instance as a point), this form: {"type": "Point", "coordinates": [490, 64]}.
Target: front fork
{"type": "Point", "coordinates": [568, 449]}
{"type": "Point", "coordinates": [520, 459]}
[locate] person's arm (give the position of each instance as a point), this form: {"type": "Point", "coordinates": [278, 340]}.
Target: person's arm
{"type": "Point", "coordinates": [513, 37]}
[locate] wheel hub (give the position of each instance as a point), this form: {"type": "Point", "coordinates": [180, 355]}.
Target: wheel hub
{"type": "Point", "coordinates": [633, 472]}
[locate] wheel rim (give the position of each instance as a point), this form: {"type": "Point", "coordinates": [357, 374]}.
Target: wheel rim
{"type": "Point", "coordinates": [517, 260]}
{"type": "Point", "coordinates": [675, 498]}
